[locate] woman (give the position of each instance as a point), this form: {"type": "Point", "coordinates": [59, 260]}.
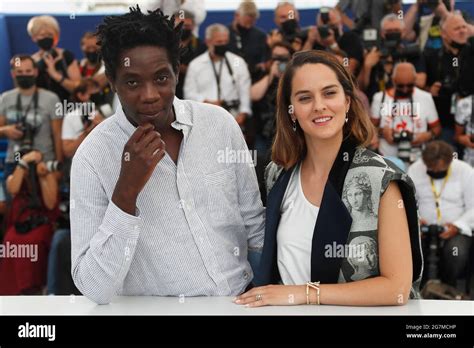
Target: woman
{"type": "Point", "coordinates": [29, 226]}
{"type": "Point", "coordinates": [317, 243]}
{"type": "Point", "coordinates": [58, 69]}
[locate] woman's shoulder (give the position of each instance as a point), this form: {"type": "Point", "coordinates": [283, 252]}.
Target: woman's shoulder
{"type": "Point", "coordinates": [272, 172]}
{"type": "Point", "coordinates": [380, 168]}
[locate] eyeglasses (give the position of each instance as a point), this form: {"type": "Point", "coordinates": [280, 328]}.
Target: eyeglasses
{"type": "Point", "coordinates": [402, 85]}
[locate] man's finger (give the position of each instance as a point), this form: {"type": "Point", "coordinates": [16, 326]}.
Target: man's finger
{"type": "Point", "coordinates": [141, 130]}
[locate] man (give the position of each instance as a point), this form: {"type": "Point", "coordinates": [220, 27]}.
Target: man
{"type": "Point", "coordinates": [443, 68]}
{"type": "Point", "coordinates": [379, 63]}
{"type": "Point", "coordinates": [246, 39]}
{"type": "Point", "coordinates": [405, 109]}
{"type": "Point", "coordinates": [329, 35]}
{"type": "Point", "coordinates": [287, 20]}
{"type": "Point", "coordinates": [192, 46]}
{"type": "Point", "coordinates": [220, 77]}
{"type": "Point", "coordinates": [29, 116]}
{"type": "Point", "coordinates": [156, 209]}
{"type": "Point", "coordinates": [445, 198]}
{"type": "Point", "coordinates": [464, 134]}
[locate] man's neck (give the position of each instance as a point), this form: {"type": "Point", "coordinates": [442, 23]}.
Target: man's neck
{"type": "Point", "coordinates": [321, 155]}
{"type": "Point", "coordinates": [450, 49]}
{"type": "Point", "coordinates": [28, 91]}
{"type": "Point", "coordinates": [214, 57]}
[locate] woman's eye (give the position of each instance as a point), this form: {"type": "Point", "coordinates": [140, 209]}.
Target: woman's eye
{"type": "Point", "coordinates": [303, 99]}
{"type": "Point", "coordinates": [331, 93]}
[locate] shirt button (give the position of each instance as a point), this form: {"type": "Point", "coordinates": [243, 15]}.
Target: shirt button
{"type": "Point", "coordinates": [246, 275]}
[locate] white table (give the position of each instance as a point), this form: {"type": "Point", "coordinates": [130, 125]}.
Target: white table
{"type": "Point", "coordinates": [128, 305]}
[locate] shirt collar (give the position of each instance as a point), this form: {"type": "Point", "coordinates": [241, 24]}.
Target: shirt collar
{"type": "Point", "coordinates": [181, 109]}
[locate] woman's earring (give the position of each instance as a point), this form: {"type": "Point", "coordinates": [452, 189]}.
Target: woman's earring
{"type": "Point", "coordinates": [294, 125]}
{"type": "Point", "coordinates": [347, 118]}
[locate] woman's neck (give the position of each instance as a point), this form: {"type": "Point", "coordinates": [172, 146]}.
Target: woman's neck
{"type": "Point", "coordinates": [321, 155]}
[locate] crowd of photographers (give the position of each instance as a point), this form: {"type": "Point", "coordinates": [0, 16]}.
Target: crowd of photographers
{"type": "Point", "coordinates": [414, 74]}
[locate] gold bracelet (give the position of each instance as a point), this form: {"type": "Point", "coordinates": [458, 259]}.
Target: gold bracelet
{"type": "Point", "coordinates": [314, 285]}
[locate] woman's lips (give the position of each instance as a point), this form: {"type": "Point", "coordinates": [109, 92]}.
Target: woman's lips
{"type": "Point", "coordinates": [322, 120]}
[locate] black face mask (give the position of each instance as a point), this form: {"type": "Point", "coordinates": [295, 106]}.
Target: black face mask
{"type": "Point", "coordinates": [289, 27]}
{"type": "Point", "coordinates": [395, 36]}
{"type": "Point", "coordinates": [403, 94]}
{"type": "Point", "coordinates": [92, 57]}
{"type": "Point", "coordinates": [457, 45]}
{"type": "Point", "coordinates": [186, 34]}
{"type": "Point", "coordinates": [25, 81]}
{"type": "Point", "coordinates": [243, 30]}
{"type": "Point", "coordinates": [46, 43]}
{"type": "Point", "coordinates": [437, 175]}
{"type": "Point", "coordinates": [220, 50]}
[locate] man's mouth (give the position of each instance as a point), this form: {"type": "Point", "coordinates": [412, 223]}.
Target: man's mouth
{"type": "Point", "coordinates": [149, 114]}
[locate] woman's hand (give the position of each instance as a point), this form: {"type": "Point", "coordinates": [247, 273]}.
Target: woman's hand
{"type": "Point", "coordinates": [273, 295]}
{"type": "Point", "coordinates": [41, 169]}
{"type": "Point", "coordinates": [51, 65]}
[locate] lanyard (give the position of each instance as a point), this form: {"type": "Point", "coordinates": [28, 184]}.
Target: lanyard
{"type": "Point", "coordinates": [19, 108]}
{"type": "Point", "coordinates": [218, 77]}
{"type": "Point", "coordinates": [437, 195]}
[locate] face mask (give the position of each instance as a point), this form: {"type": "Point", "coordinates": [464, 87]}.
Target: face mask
{"type": "Point", "coordinates": [92, 57]}
{"type": "Point", "coordinates": [220, 50]}
{"type": "Point", "coordinates": [456, 45]}
{"type": "Point", "coordinates": [46, 43]}
{"type": "Point", "coordinates": [289, 27]}
{"type": "Point", "coordinates": [242, 30]}
{"type": "Point", "coordinates": [186, 34]}
{"type": "Point", "coordinates": [394, 36]}
{"type": "Point", "coordinates": [25, 81]}
{"type": "Point", "coordinates": [437, 175]}
{"type": "Point", "coordinates": [403, 94]}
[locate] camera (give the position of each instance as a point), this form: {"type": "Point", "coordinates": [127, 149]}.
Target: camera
{"type": "Point", "coordinates": [324, 11]}
{"type": "Point", "coordinates": [432, 229]}
{"type": "Point", "coordinates": [231, 104]}
{"type": "Point", "coordinates": [30, 223]}
{"type": "Point", "coordinates": [29, 133]}
{"type": "Point", "coordinates": [324, 31]}
{"type": "Point", "coordinates": [398, 52]}
{"type": "Point", "coordinates": [403, 139]}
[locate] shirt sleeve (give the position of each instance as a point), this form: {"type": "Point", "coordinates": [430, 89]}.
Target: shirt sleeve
{"type": "Point", "coordinates": [69, 129]}
{"type": "Point", "coordinates": [244, 82]}
{"type": "Point", "coordinates": [55, 111]}
{"type": "Point", "coordinates": [430, 109]}
{"type": "Point", "coordinates": [103, 237]}
{"type": "Point", "coordinates": [465, 222]}
{"type": "Point", "coordinates": [463, 109]}
{"type": "Point", "coordinates": [250, 203]}
{"type": "Point", "coordinates": [376, 105]}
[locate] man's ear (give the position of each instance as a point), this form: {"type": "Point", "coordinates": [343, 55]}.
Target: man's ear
{"type": "Point", "coordinates": [111, 82]}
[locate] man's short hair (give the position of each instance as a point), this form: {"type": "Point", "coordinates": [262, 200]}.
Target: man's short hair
{"type": "Point", "coordinates": [248, 8]}
{"type": "Point", "coordinates": [391, 17]}
{"type": "Point", "coordinates": [437, 150]}
{"type": "Point", "coordinates": [187, 15]}
{"type": "Point", "coordinates": [133, 29]}
{"type": "Point", "coordinates": [18, 58]}
{"type": "Point", "coordinates": [215, 28]}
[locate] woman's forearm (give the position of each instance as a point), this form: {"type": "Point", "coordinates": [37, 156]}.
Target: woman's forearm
{"type": "Point", "coordinates": [378, 291]}
{"type": "Point", "coordinates": [49, 190]}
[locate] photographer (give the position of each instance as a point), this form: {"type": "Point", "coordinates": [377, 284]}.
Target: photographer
{"type": "Point", "coordinates": [329, 35]}
{"type": "Point", "coordinates": [33, 212]}
{"type": "Point", "coordinates": [29, 116]}
{"type": "Point", "coordinates": [79, 123]}
{"type": "Point", "coordinates": [464, 128]}
{"type": "Point", "coordinates": [379, 61]}
{"type": "Point", "coordinates": [407, 116]}
{"type": "Point", "coordinates": [443, 68]}
{"type": "Point", "coordinates": [220, 77]}
{"type": "Point", "coordinates": [445, 202]}
{"type": "Point", "coordinates": [287, 20]}
{"type": "Point", "coordinates": [58, 68]}
{"type": "Point", "coordinates": [263, 95]}
{"type": "Point", "coordinates": [93, 67]}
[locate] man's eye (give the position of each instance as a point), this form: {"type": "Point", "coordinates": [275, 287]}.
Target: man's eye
{"type": "Point", "coordinates": [132, 83]}
{"type": "Point", "coordinates": [162, 78]}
